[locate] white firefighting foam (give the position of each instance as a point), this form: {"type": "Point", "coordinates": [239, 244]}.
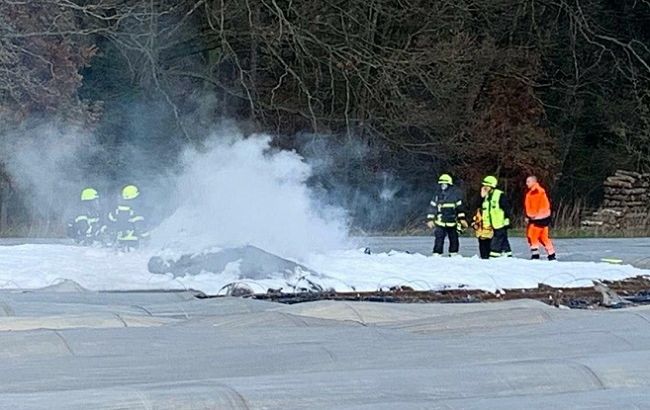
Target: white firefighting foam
{"type": "Point", "coordinates": [35, 266]}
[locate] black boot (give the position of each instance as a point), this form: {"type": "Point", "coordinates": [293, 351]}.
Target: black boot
{"type": "Point", "coordinates": [551, 257]}
{"type": "Point", "coordinates": [535, 256]}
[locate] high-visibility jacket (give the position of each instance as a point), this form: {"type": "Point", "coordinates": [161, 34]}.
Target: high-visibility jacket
{"type": "Point", "coordinates": [495, 210]}
{"type": "Point", "coordinates": [481, 231]}
{"type": "Point", "coordinates": [128, 225]}
{"type": "Point", "coordinates": [446, 208]}
{"type": "Point", "coordinates": [87, 224]}
{"type": "Point", "coordinates": [537, 206]}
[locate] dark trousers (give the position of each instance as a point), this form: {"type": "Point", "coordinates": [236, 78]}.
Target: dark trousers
{"type": "Point", "coordinates": [500, 243]}
{"type": "Point", "coordinates": [440, 233]}
{"type": "Point", "coordinates": [127, 246]}
{"type": "Point", "coordinates": [484, 247]}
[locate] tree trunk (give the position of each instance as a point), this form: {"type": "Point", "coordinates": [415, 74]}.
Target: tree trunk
{"type": "Point", "coordinates": [4, 202]}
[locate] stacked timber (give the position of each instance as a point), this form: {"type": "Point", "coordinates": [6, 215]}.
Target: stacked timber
{"type": "Point", "coordinates": [626, 203]}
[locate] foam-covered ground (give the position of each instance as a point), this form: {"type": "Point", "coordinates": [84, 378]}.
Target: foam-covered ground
{"type": "Point", "coordinates": [30, 266]}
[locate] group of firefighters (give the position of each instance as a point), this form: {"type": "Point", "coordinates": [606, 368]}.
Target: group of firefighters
{"type": "Point", "coordinates": [491, 221]}
{"type": "Point", "coordinates": [122, 226]}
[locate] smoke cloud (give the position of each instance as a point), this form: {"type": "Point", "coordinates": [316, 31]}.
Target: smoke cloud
{"type": "Point", "coordinates": [44, 164]}
{"type": "Point", "coordinates": [235, 191]}
{"type": "Point", "coordinates": [360, 178]}
{"type": "Point", "coordinates": [241, 191]}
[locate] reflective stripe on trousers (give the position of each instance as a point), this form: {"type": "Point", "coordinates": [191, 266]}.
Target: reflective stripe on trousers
{"type": "Point", "coordinates": [538, 235]}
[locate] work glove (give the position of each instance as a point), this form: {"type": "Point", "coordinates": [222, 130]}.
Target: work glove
{"type": "Point", "coordinates": [430, 224]}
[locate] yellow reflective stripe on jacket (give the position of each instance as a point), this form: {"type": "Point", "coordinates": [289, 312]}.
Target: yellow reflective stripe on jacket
{"type": "Point", "coordinates": [90, 220]}
{"type": "Point", "coordinates": [128, 235]}
{"type": "Point", "coordinates": [112, 216]}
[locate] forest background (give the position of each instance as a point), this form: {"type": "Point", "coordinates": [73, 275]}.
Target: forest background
{"type": "Point", "coordinates": [380, 96]}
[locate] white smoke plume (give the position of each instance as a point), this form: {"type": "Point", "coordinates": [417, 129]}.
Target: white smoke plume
{"type": "Point", "coordinates": [241, 191]}
{"type": "Point", "coordinates": [237, 191]}
{"type": "Point", "coordinates": [43, 163]}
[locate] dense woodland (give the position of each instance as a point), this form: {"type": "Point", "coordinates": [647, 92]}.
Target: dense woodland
{"type": "Point", "coordinates": [391, 92]}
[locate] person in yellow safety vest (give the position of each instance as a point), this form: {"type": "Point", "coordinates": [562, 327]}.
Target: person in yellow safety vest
{"type": "Point", "coordinates": [446, 216]}
{"type": "Point", "coordinates": [128, 225]}
{"type": "Point", "coordinates": [87, 226]}
{"type": "Point", "coordinates": [495, 213]}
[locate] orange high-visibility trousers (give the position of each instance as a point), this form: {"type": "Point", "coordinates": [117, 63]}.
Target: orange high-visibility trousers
{"type": "Point", "coordinates": [538, 235]}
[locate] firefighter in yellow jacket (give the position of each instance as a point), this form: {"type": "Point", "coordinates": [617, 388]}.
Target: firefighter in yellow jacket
{"type": "Point", "coordinates": [127, 224]}
{"type": "Point", "coordinates": [87, 226]}
{"type": "Point", "coordinates": [483, 233]}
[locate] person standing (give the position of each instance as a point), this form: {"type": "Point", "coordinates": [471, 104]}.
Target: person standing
{"type": "Point", "coordinates": [127, 223]}
{"type": "Point", "coordinates": [446, 215]}
{"type": "Point", "coordinates": [495, 212]}
{"type": "Point", "coordinates": [483, 234]}
{"type": "Point", "coordinates": [87, 226]}
{"type": "Point", "coordinates": [538, 218]}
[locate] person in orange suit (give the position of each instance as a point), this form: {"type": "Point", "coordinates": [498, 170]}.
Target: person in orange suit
{"type": "Point", "coordinates": [538, 219]}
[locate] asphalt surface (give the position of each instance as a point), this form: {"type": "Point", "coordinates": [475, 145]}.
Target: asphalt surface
{"type": "Point", "coordinates": [633, 251]}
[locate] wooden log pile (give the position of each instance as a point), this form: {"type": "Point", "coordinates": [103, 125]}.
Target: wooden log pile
{"type": "Point", "coordinates": [626, 203]}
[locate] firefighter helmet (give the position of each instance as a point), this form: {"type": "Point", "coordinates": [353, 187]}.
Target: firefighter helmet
{"type": "Point", "coordinates": [445, 179]}
{"type": "Point", "coordinates": [490, 181]}
{"type": "Point", "coordinates": [130, 192]}
{"type": "Point", "coordinates": [89, 194]}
